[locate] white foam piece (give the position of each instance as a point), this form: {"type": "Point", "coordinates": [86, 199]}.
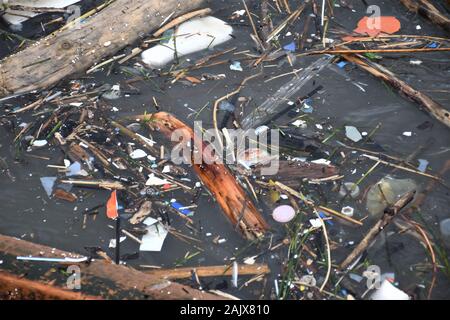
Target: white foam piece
{"type": "Point", "coordinates": [191, 36]}
{"type": "Point", "coordinates": [19, 16]}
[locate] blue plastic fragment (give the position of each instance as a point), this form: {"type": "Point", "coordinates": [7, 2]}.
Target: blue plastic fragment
{"type": "Point", "coordinates": [342, 64]}
{"type": "Point", "coordinates": [323, 216]}
{"type": "Point", "coordinates": [423, 164]}
{"type": "Point", "coordinates": [178, 205]}
{"type": "Point", "coordinates": [307, 106]}
{"type": "Point", "coordinates": [290, 47]}
{"type": "Point", "coordinates": [433, 45]}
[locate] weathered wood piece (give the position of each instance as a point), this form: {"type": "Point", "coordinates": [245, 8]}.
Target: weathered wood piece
{"type": "Point", "coordinates": [76, 49]}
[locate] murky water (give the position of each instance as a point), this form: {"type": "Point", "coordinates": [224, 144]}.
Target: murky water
{"type": "Point", "coordinates": [27, 212]}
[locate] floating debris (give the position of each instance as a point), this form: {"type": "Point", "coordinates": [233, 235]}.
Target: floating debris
{"type": "Point", "coordinates": [353, 134]}
{"type": "Point", "coordinates": [48, 183]}
{"type": "Point", "coordinates": [283, 214]}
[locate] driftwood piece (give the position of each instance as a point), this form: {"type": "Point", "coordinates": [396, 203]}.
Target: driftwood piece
{"type": "Point", "coordinates": [15, 288]}
{"type": "Point", "coordinates": [432, 107]}
{"type": "Point", "coordinates": [236, 205]}
{"type": "Point", "coordinates": [73, 50]}
{"type": "Point", "coordinates": [291, 172]}
{"type": "Point", "coordinates": [210, 271]}
{"type": "Point", "coordinates": [102, 184]}
{"type": "Point", "coordinates": [123, 277]}
{"type": "Point", "coordinates": [387, 217]}
{"type": "Point", "coordinates": [428, 10]}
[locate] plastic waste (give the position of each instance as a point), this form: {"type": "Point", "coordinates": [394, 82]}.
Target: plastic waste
{"type": "Point", "coordinates": [353, 134]}
{"type": "Point", "coordinates": [388, 291]}
{"type": "Point", "coordinates": [75, 169]}
{"type": "Point", "coordinates": [290, 47]}
{"type": "Point", "coordinates": [283, 214]}
{"type": "Point", "coordinates": [16, 17]}
{"type": "Point", "coordinates": [153, 240]}
{"type": "Point", "coordinates": [423, 164]}
{"type": "Point", "coordinates": [349, 189]}
{"type": "Point", "coordinates": [307, 106]}
{"type": "Point", "coordinates": [178, 206]}
{"type": "Point", "coordinates": [191, 36]}
{"type": "Point", "coordinates": [348, 211]}
{"type": "Point", "coordinates": [236, 66]}
{"type": "Point", "coordinates": [112, 242]}
{"type": "Point", "coordinates": [234, 276]}
{"type": "Point", "coordinates": [112, 94]}
{"type": "Point", "coordinates": [48, 183]}
{"type": "Point", "coordinates": [39, 143]}
{"type": "Point", "coordinates": [386, 192]}
{"type": "Point", "coordinates": [155, 181]}
{"type": "Point", "coordinates": [138, 154]}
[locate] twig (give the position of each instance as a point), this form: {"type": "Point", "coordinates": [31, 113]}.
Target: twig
{"type": "Point", "coordinates": [433, 256]}
{"type": "Point", "coordinates": [340, 215]}
{"type": "Point", "coordinates": [225, 97]}
{"type": "Point", "coordinates": [327, 242]}
{"type": "Point", "coordinates": [389, 214]}
{"type": "Point", "coordinates": [252, 23]}
{"type": "Point", "coordinates": [181, 19]}
{"type": "Point", "coordinates": [403, 168]}
{"type": "Point", "coordinates": [432, 107]}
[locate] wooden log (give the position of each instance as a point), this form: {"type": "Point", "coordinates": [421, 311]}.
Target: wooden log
{"type": "Point", "coordinates": [123, 277]}
{"type": "Point", "coordinates": [15, 288]}
{"type": "Point", "coordinates": [74, 50]}
{"type": "Point", "coordinates": [236, 205]}
{"type": "Point", "coordinates": [432, 107]}
{"type": "Point", "coordinates": [210, 271]}
{"type": "Point", "coordinates": [429, 11]}
{"type": "Point", "coordinates": [387, 217]}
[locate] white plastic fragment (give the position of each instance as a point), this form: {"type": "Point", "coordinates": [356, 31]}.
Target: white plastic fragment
{"type": "Point", "coordinates": [348, 211]}
{"type": "Point", "coordinates": [250, 260]}
{"type": "Point", "coordinates": [155, 181]}
{"type": "Point", "coordinates": [191, 36]}
{"type": "Point", "coordinates": [352, 133]}
{"type": "Point", "coordinates": [239, 13]}
{"type": "Point", "coordinates": [236, 66]}
{"type": "Point", "coordinates": [415, 62]}
{"type": "Point", "coordinates": [321, 161]}
{"type": "Point", "coordinates": [39, 143]}
{"type": "Point", "coordinates": [76, 170]}
{"type": "Point", "coordinates": [234, 276]}
{"type": "Point", "coordinates": [47, 184]}
{"type": "Point", "coordinates": [316, 223]}
{"type": "Point", "coordinates": [138, 154]}
{"type": "Point", "coordinates": [388, 291]}
{"type": "Point", "coordinates": [16, 17]}
{"type": "Point", "coordinates": [112, 242]}
{"type": "Point", "coordinates": [299, 123]}
{"type": "Point", "coordinates": [153, 240]}
{"type": "Point", "coordinates": [113, 93]}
